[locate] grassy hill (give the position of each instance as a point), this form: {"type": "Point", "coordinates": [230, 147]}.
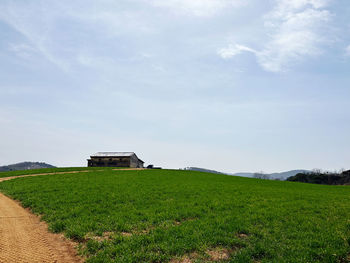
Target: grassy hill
{"type": "Point", "coordinates": [187, 216]}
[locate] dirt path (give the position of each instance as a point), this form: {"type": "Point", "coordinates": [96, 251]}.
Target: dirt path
{"type": "Point", "coordinates": [27, 175]}
{"type": "Point", "coordinates": [24, 238]}
{"type": "Point", "coordinates": [71, 172]}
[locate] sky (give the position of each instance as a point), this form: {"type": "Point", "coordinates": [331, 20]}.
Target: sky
{"type": "Point", "coordinates": [231, 85]}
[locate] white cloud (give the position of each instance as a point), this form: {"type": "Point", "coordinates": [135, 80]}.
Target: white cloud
{"type": "Point", "coordinates": [233, 50]}
{"type": "Point", "coordinates": [295, 36]}
{"type": "Point", "coordinates": [57, 31]}
{"type": "Point", "coordinates": [22, 50]}
{"type": "Point", "coordinates": [347, 51]}
{"type": "Point", "coordinates": [34, 28]}
{"type": "Point", "coordinates": [197, 7]}
{"type": "Point", "coordinates": [285, 6]}
{"type": "Point", "coordinates": [295, 30]}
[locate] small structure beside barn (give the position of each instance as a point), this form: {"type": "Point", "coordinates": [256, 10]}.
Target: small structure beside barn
{"type": "Point", "coordinates": [115, 159]}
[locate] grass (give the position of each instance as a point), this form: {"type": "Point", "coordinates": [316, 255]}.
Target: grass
{"type": "Point", "coordinates": [174, 216]}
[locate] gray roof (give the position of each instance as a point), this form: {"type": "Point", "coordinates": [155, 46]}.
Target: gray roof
{"type": "Point", "coordinates": [112, 154]}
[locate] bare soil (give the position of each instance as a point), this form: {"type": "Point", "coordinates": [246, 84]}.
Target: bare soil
{"type": "Point", "coordinates": [24, 238]}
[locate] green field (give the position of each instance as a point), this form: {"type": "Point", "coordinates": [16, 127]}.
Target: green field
{"type": "Point", "coordinates": [183, 216]}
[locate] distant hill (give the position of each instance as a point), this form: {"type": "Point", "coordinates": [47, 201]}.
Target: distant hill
{"type": "Point", "coordinates": [202, 170]}
{"type": "Point", "coordinates": [25, 166]}
{"type": "Point", "coordinates": [244, 174]}
{"type": "Point", "coordinates": [282, 175]}
{"type": "Point", "coordinates": [285, 175]}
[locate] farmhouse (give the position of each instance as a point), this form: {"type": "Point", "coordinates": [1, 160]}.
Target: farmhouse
{"type": "Point", "coordinates": [115, 159]}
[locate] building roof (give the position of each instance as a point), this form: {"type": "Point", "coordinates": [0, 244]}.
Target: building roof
{"type": "Point", "coordinates": [114, 154]}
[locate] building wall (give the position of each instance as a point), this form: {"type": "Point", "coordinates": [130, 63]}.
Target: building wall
{"type": "Point", "coordinates": [135, 162]}
{"type": "Point", "coordinates": [109, 162]}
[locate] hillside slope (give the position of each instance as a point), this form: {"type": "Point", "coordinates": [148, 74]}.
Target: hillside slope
{"type": "Point", "coordinates": [185, 216]}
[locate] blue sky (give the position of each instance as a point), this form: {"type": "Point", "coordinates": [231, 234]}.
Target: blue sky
{"type": "Point", "coordinates": [232, 85]}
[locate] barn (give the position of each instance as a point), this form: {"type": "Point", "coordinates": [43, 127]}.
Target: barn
{"type": "Point", "coordinates": [115, 159]}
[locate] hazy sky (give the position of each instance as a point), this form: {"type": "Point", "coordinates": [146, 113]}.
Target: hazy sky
{"type": "Point", "coordinates": [232, 85]}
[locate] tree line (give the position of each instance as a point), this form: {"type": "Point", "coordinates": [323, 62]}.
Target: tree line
{"type": "Point", "coordinates": [319, 177]}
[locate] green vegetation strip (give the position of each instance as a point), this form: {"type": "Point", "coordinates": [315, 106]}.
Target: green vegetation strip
{"type": "Point", "coordinates": [51, 170]}
{"type": "Point", "coordinates": [174, 216]}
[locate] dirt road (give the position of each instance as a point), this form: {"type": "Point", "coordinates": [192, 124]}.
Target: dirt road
{"type": "Point", "coordinates": [71, 172]}
{"type": "Point", "coordinates": [28, 175]}
{"type": "Point", "coordinates": [24, 238]}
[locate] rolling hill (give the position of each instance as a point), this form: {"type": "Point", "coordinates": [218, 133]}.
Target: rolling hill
{"type": "Point", "coordinates": [188, 216]}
